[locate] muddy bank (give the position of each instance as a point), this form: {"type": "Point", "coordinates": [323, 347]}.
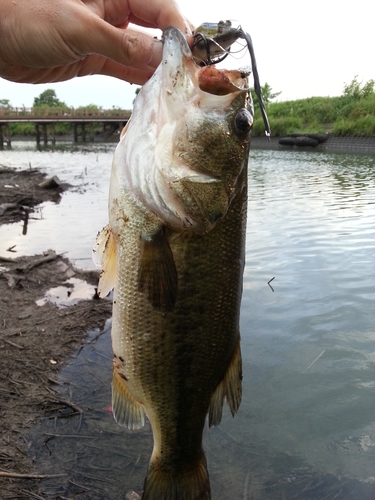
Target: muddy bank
{"type": "Point", "coordinates": [35, 340]}
{"type": "Point", "coordinates": [350, 144]}
{"type": "Point", "coordinates": [21, 191]}
{"type": "Point", "coordinates": [364, 145]}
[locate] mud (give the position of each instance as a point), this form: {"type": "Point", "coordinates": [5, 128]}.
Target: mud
{"type": "Point", "coordinates": [21, 191]}
{"type": "Point", "coordinates": [35, 341]}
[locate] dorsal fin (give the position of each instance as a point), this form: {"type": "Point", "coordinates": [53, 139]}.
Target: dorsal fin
{"type": "Point", "coordinates": [104, 255]}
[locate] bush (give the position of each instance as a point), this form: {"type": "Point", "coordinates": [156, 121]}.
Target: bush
{"type": "Point", "coordinates": [364, 127]}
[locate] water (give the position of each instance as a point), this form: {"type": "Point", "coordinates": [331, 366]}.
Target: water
{"type": "Point", "coordinates": [305, 428]}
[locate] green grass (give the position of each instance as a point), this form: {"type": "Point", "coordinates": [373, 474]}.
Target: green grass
{"type": "Point", "coordinates": [353, 113]}
{"type": "Point", "coordinates": [339, 116]}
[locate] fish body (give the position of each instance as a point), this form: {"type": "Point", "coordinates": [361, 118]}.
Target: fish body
{"type": "Point", "coordinates": [174, 252]}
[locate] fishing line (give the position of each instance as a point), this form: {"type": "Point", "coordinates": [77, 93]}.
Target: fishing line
{"type": "Point", "coordinates": [201, 37]}
{"type": "Point", "coordinates": [257, 87]}
{"type": "Point", "coordinates": [236, 33]}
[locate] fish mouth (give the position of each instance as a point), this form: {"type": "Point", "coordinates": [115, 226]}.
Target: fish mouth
{"type": "Point", "coordinates": [181, 72]}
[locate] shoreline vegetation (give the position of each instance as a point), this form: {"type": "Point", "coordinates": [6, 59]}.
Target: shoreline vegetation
{"type": "Point", "coordinates": [351, 115]}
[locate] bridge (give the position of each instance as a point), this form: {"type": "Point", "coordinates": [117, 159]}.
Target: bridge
{"type": "Point", "coordinates": [44, 120]}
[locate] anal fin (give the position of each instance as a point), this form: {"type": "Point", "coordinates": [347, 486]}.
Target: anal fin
{"type": "Point", "coordinates": [230, 388]}
{"type": "Point", "coordinates": [157, 277]}
{"type": "Point", "coordinates": [127, 411]}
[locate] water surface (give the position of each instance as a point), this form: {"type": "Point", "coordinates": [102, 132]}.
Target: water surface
{"type": "Point", "coordinates": [305, 428]}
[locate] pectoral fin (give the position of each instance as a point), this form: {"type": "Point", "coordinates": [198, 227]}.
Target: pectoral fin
{"type": "Point", "coordinates": [157, 272]}
{"type": "Point", "coordinates": [104, 255]}
{"type": "Point", "coordinates": [230, 388]}
{"type": "Point", "coordinates": [127, 411]}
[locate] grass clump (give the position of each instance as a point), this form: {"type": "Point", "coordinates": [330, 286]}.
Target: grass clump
{"type": "Point", "coordinates": [352, 113]}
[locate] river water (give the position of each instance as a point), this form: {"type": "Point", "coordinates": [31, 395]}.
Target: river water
{"type": "Point", "coordinates": [305, 429]}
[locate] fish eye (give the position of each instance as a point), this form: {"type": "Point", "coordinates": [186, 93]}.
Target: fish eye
{"type": "Point", "coordinates": [243, 121]}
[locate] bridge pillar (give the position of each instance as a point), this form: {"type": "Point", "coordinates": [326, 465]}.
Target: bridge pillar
{"type": "Point", "coordinates": [91, 132]}
{"type": "Point", "coordinates": [52, 133]}
{"type": "Point", "coordinates": [45, 135]}
{"type": "Point", "coordinates": [75, 134]}
{"type": "Point", "coordinates": [37, 133]}
{"type": "Point", "coordinates": [5, 136]}
{"type": "Point", "coordinates": [83, 129]}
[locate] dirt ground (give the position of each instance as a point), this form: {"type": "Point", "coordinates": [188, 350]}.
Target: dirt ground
{"type": "Point", "coordinates": [35, 341]}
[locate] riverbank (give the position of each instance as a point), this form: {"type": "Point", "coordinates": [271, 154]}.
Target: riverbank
{"type": "Point", "coordinates": [349, 144]}
{"type": "Point", "coordinates": [37, 336]}
{"type": "Point", "coordinates": [333, 144]}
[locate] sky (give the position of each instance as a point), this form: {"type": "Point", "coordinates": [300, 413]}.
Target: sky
{"type": "Point", "coordinates": [303, 49]}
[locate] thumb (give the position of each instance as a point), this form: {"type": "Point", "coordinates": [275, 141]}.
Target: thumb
{"type": "Point", "coordinates": [125, 46]}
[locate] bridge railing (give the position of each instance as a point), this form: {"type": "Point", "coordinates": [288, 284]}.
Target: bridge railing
{"type": "Point", "coordinates": [61, 113]}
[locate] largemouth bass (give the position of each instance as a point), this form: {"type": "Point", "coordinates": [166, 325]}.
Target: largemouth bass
{"type": "Point", "coordinates": [174, 253]}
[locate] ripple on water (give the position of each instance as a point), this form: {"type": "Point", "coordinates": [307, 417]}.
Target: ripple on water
{"type": "Point", "coordinates": [306, 418]}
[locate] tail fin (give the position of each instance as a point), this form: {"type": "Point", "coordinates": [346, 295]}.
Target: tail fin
{"type": "Point", "coordinates": [167, 483]}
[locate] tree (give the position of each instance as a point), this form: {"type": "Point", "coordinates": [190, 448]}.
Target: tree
{"type": "Point", "coordinates": [49, 99]}
{"type": "Point", "coordinates": [356, 90]}
{"type": "Point", "coordinates": [5, 104]}
{"type": "Point", "coordinates": [268, 94]}
{"type": "Point", "coordinates": [137, 91]}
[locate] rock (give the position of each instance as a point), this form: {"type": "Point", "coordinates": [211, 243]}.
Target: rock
{"type": "Point", "coordinates": [304, 140]}
{"type": "Point", "coordinates": [61, 266]}
{"type": "Point", "coordinates": [320, 137]}
{"type": "Point", "coordinates": [298, 140]}
{"type": "Point", "coordinates": [286, 141]}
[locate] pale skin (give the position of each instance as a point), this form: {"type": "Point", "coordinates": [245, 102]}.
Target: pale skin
{"type": "Point", "coordinates": [45, 41]}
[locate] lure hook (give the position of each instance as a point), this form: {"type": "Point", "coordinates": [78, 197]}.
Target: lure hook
{"type": "Point", "coordinates": [212, 44]}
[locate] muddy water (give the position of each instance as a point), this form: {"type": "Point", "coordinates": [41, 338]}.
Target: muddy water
{"type": "Point", "coordinates": [305, 428]}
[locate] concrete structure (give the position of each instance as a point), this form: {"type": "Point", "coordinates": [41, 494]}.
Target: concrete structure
{"type": "Point", "coordinates": [44, 120]}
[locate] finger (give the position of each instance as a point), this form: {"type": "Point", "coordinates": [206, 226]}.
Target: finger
{"type": "Point", "coordinates": [161, 14]}
{"type": "Point", "coordinates": [131, 75]}
{"type": "Point", "coordinates": [91, 65]}
{"type": "Point", "coordinates": [100, 65]}
{"type": "Point", "coordinates": [128, 47]}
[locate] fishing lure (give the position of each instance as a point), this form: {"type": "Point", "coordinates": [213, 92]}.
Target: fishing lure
{"type": "Point", "coordinates": [212, 44]}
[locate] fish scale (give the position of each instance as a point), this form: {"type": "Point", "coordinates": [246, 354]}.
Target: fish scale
{"type": "Point", "coordinates": [176, 264]}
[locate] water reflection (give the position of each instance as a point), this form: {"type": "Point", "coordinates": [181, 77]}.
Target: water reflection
{"type": "Point", "coordinates": [69, 294]}
{"type": "Point", "coordinates": [305, 429]}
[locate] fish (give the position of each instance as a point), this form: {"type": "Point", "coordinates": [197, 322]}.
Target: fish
{"type": "Point", "coordinates": [174, 252]}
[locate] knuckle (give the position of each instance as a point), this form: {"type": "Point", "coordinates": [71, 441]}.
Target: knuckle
{"type": "Point", "coordinates": [133, 47]}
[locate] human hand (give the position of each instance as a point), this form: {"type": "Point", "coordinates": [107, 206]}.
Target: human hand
{"type": "Point", "coordinates": [54, 40]}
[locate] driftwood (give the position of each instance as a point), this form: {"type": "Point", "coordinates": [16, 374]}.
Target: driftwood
{"type": "Point", "coordinates": [7, 206]}
{"type": "Point", "coordinates": [49, 256]}
{"type": "Point", "coordinates": [14, 475]}
{"type": "Point", "coordinates": [50, 183]}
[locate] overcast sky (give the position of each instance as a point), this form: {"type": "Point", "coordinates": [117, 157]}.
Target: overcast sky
{"type": "Point", "coordinates": [303, 49]}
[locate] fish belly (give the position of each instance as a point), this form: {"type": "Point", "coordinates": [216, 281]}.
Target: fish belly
{"type": "Point", "coordinates": [179, 365]}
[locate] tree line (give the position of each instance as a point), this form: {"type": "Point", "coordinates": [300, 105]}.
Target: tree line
{"type": "Point", "coordinates": [352, 113]}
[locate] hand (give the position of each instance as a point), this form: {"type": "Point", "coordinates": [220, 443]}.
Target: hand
{"type": "Point", "coordinates": [54, 40]}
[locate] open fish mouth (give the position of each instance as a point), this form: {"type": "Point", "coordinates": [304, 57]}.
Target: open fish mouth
{"type": "Point", "coordinates": [185, 145]}
{"type": "Point", "coordinates": [180, 67]}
